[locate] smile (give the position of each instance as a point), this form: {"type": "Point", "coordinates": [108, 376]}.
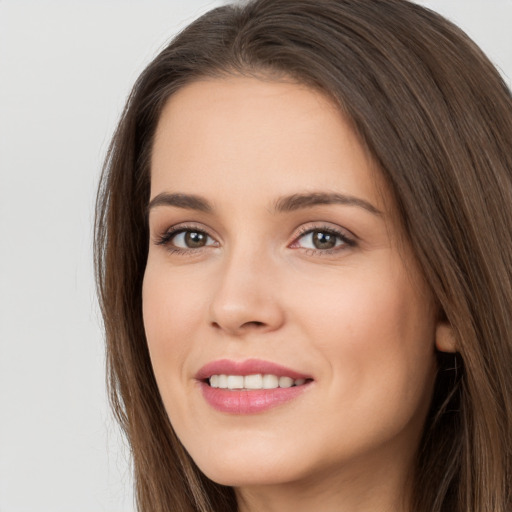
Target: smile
{"type": "Point", "coordinates": [250, 386]}
{"type": "Point", "coordinates": [256, 381]}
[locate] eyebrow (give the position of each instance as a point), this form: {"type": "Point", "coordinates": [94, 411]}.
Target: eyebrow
{"type": "Point", "coordinates": [283, 204]}
{"type": "Point", "coordinates": [186, 201]}
{"type": "Point", "coordinates": [308, 200]}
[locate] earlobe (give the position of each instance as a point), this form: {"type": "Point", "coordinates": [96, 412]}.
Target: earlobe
{"type": "Point", "coordinates": [445, 340]}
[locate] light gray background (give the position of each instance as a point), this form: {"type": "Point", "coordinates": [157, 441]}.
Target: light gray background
{"type": "Point", "coordinates": [65, 70]}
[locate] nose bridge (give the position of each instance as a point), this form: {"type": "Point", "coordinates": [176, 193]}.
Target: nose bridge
{"type": "Point", "coordinates": [245, 297]}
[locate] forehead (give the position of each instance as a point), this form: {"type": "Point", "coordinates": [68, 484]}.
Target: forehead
{"type": "Point", "coordinates": [247, 134]}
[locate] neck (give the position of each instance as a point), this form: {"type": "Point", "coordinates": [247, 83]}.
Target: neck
{"type": "Point", "coordinates": [362, 487]}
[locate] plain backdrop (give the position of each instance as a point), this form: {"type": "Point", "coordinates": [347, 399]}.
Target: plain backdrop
{"type": "Point", "coordinates": [65, 70]}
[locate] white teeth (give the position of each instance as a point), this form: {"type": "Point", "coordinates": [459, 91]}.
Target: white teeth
{"type": "Point", "coordinates": [270, 382]}
{"type": "Point", "coordinates": [256, 381]}
{"type": "Point", "coordinates": [223, 381]}
{"type": "Point", "coordinates": [235, 382]}
{"type": "Point", "coordinates": [214, 381]}
{"type": "Point", "coordinates": [285, 382]}
{"type": "Point", "coordinates": [253, 381]}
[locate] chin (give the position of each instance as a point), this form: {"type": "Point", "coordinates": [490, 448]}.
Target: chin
{"type": "Point", "coordinates": [254, 466]}
{"type": "Point", "coordinates": [236, 476]}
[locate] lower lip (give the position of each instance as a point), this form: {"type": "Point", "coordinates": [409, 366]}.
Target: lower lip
{"type": "Point", "coordinates": [241, 401]}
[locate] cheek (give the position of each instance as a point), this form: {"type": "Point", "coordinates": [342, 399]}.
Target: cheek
{"type": "Point", "coordinates": [367, 309]}
{"type": "Point", "coordinates": [376, 330]}
{"type": "Point", "coordinates": [170, 312]}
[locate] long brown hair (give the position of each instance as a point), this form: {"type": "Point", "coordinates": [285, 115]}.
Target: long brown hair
{"type": "Point", "coordinates": [437, 117]}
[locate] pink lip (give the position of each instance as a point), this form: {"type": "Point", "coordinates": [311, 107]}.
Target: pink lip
{"type": "Point", "coordinates": [247, 367]}
{"type": "Point", "coordinates": [248, 401]}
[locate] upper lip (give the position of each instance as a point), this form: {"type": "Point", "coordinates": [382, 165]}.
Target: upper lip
{"type": "Point", "coordinates": [247, 367]}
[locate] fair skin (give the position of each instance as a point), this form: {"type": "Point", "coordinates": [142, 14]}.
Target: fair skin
{"type": "Point", "coordinates": [324, 289]}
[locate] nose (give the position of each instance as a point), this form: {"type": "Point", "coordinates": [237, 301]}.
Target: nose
{"type": "Point", "coordinates": [246, 297]}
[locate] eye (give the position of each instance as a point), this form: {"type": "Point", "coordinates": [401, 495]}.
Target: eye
{"type": "Point", "coordinates": [185, 239]}
{"type": "Point", "coordinates": [322, 240]}
{"type": "Point", "coordinates": [190, 239]}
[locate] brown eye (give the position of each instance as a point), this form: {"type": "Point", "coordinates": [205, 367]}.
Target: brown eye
{"type": "Point", "coordinates": [324, 240]}
{"type": "Point", "coordinates": [186, 239]}
{"type": "Point", "coordinates": [195, 239]}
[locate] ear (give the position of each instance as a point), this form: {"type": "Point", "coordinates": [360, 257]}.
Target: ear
{"type": "Point", "coordinates": [445, 340]}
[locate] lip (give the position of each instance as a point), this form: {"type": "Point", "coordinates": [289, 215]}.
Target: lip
{"type": "Point", "coordinates": [248, 401]}
{"type": "Point", "coordinates": [247, 367]}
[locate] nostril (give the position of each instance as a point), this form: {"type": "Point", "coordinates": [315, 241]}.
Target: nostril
{"type": "Point", "coordinates": [253, 324]}
{"type": "Point", "coordinates": [242, 328]}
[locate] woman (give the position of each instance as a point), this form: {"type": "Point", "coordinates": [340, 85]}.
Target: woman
{"type": "Point", "coordinates": [305, 264]}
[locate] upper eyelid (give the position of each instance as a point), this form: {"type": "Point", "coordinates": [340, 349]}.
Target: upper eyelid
{"type": "Point", "coordinates": [164, 236]}
{"type": "Point", "coordinates": [304, 228]}
{"type": "Point", "coordinates": [298, 232]}
{"type": "Point", "coordinates": [323, 226]}
{"type": "Point", "coordinates": [185, 226]}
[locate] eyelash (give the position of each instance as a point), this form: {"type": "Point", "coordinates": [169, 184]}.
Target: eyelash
{"type": "Point", "coordinates": [165, 240]}
{"type": "Point", "coordinates": [345, 239]}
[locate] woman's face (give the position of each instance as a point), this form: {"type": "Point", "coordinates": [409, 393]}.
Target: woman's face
{"type": "Point", "coordinates": [273, 262]}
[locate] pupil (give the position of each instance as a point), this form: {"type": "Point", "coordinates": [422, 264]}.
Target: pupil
{"type": "Point", "coordinates": [193, 239]}
{"type": "Point", "coordinates": [323, 240]}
